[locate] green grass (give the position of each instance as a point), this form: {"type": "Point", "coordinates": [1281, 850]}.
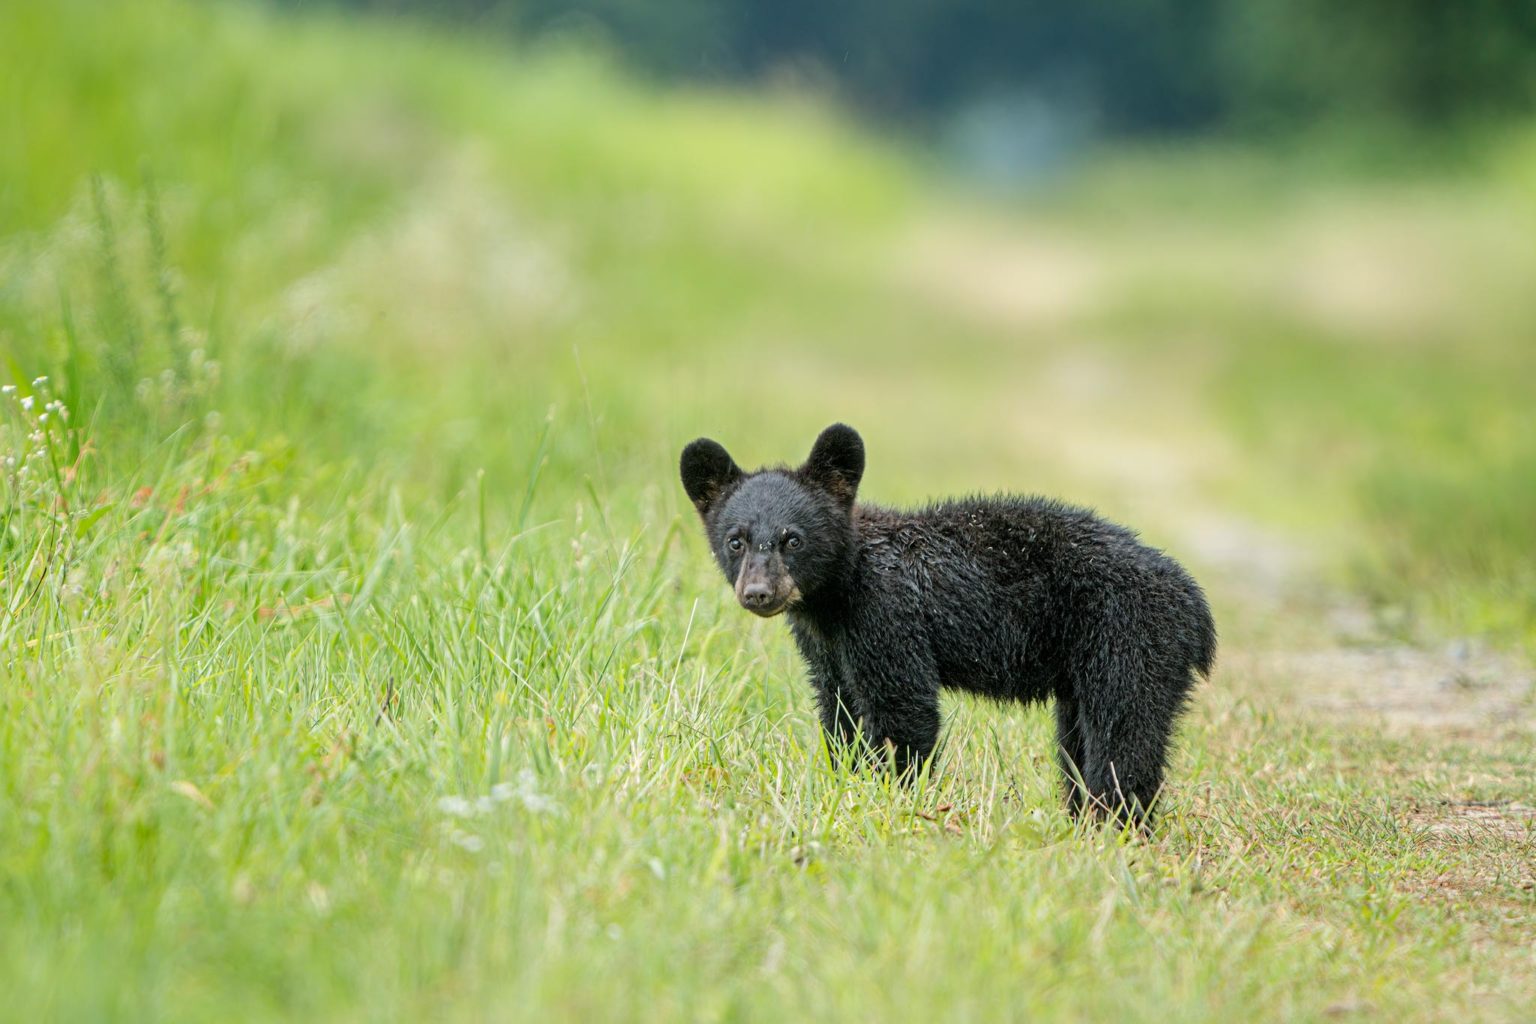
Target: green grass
{"type": "Point", "coordinates": [361, 660]}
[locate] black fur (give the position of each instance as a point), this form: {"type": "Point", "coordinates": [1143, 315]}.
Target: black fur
{"type": "Point", "coordinates": [1013, 598]}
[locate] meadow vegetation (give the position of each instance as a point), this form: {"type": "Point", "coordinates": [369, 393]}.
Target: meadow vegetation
{"type": "Point", "coordinates": [360, 656]}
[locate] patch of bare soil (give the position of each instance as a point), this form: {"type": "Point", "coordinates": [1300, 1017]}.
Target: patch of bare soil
{"type": "Point", "coordinates": [1456, 688]}
{"type": "Point", "coordinates": [1000, 276]}
{"type": "Point", "coordinates": [1494, 862]}
{"type": "Point", "coordinates": [1502, 819]}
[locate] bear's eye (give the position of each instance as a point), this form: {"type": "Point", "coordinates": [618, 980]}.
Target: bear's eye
{"type": "Point", "coordinates": [734, 545]}
{"type": "Point", "coordinates": [792, 543]}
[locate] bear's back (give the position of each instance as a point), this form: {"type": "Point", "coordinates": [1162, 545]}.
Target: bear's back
{"type": "Point", "coordinates": [1012, 539]}
{"type": "Point", "coordinates": [1003, 587]}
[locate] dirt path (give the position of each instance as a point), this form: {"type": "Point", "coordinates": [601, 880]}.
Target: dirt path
{"type": "Point", "coordinates": [1157, 450]}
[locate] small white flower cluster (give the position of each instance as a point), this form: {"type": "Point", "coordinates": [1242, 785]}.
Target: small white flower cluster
{"type": "Point", "coordinates": [524, 791]}
{"type": "Point", "coordinates": [32, 440]}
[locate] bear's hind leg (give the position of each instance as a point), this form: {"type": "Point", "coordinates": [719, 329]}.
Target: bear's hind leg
{"type": "Point", "coordinates": [1069, 753]}
{"type": "Point", "coordinates": [1126, 717]}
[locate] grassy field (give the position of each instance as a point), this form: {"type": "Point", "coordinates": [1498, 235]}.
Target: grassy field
{"type": "Point", "coordinates": [360, 658]}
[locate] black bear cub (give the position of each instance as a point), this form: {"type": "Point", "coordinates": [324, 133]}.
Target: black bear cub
{"type": "Point", "coordinates": [1019, 598]}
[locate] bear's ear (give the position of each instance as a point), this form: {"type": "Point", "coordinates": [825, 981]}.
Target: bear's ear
{"type": "Point", "coordinates": [708, 470]}
{"type": "Point", "coordinates": [837, 461]}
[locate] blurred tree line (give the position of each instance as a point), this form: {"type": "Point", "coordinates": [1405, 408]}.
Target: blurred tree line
{"type": "Point", "coordinates": [1119, 67]}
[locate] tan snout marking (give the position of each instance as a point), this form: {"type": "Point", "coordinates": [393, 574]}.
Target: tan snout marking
{"type": "Point", "coordinates": [783, 598]}
{"type": "Point", "coordinates": [741, 577]}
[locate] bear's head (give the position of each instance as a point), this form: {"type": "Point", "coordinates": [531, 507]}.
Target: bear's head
{"type": "Point", "coordinates": [782, 536]}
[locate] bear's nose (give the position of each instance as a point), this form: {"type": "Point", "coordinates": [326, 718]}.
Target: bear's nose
{"type": "Point", "coordinates": [756, 595]}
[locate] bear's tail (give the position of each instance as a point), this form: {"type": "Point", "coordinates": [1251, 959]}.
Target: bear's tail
{"type": "Point", "coordinates": [1205, 641]}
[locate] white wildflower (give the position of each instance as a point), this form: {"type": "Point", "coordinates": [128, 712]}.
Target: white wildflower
{"type": "Point", "coordinates": [472, 843]}
{"type": "Point", "coordinates": [538, 803]}
{"type": "Point", "coordinates": [527, 791]}
{"type": "Point", "coordinates": [456, 806]}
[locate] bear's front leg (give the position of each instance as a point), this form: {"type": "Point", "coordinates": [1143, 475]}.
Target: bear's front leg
{"type": "Point", "coordinates": [908, 737]}
{"type": "Point", "coordinates": [898, 687]}
{"type": "Point", "coordinates": [835, 706]}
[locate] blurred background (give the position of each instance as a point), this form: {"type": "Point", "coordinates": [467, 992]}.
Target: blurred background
{"type": "Point", "coordinates": [1012, 88]}
{"type": "Point", "coordinates": [1272, 259]}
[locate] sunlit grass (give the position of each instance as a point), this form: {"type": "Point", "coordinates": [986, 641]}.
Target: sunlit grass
{"type": "Point", "coordinates": [360, 657]}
